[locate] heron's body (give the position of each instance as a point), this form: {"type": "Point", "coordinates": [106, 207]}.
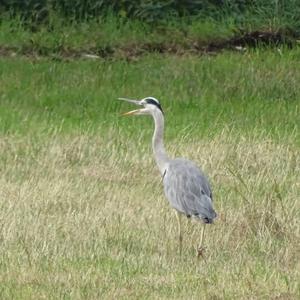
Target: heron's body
{"type": "Point", "coordinates": [188, 190]}
{"type": "Point", "coordinates": [185, 185]}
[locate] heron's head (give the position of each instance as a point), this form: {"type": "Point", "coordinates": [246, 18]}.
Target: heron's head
{"type": "Point", "coordinates": [150, 106]}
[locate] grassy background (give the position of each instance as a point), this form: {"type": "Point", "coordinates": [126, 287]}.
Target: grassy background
{"type": "Point", "coordinates": [83, 214]}
{"type": "Point", "coordinates": [111, 34]}
{"type": "Point", "coordinates": [251, 92]}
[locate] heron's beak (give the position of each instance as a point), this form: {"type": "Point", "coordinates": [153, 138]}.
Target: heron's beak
{"type": "Point", "coordinates": [132, 112]}
{"type": "Point", "coordinates": [137, 102]}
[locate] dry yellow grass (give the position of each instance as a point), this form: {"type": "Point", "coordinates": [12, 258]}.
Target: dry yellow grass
{"type": "Point", "coordinates": [84, 217]}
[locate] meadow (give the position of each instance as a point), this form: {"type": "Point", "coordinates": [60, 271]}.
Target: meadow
{"type": "Point", "coordinates": [83, 215]}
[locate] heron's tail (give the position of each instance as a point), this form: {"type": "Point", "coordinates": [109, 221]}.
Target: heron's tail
{"type": "Point", "coordinates": [207, 213]}
{"type": "Point", "coordinates": [208, 220]}
{"type": "Point", "coordinates": [212, 215]}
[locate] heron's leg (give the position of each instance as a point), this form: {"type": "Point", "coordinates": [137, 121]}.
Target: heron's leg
{"type": "Point", "coordinates": [178, 215]}
{"type": "Point", "coordinates": [200, 247]}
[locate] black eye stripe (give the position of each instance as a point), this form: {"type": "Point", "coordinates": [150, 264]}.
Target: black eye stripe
{"type": "Point", "coordinates": [151, 101]}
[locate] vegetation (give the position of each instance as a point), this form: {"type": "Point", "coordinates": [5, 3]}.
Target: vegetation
{"type": "Point", "coordinates": [123, 32]}
{"type": "Point", "coordinates": [151, 11]}
{"type": "Point", "coordinates": [83, 215]}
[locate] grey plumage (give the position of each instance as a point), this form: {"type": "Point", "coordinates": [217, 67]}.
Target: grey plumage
{"type": "Point", "coordinates": [188, 190]}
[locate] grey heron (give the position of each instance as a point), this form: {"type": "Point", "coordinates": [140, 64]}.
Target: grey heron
{"type": "Point", "coordinates": [185, 185]}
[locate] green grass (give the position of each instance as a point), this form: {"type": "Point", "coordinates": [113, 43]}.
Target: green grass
{"type": "Point", "coordinates": [254, 91]}
{"type": "Point", "coordinates": [107, 32]}
{"type": "Point", "coordinates": [83, 214]}
{"type": "Point", "coordinates": [61, 37]}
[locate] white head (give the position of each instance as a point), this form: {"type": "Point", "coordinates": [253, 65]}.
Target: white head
{"type": "Point", "coordinates": [150, 106]}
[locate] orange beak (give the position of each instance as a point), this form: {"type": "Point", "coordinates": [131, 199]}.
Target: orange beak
{"type": "Point", "coordinates": [132, 112]}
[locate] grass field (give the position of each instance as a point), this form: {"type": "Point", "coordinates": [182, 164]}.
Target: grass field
{"type": "Point", "coordinates": [115, 37]}
{"type": "Point", "coordinates": [83, 214]}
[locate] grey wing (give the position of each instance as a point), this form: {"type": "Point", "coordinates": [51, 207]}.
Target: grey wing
{"type": "Point", "coordinates": [188, 190]}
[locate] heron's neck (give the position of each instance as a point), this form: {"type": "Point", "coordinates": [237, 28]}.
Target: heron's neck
{"type": "Point", "coordinates": [157, 142]}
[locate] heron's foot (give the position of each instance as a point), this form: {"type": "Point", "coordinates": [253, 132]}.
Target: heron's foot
{"type": "Point", "coordinates": [200, 251]}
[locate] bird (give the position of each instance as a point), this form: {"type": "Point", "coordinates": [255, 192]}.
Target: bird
{"type": "Point", "coordinates": [185, 186]}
